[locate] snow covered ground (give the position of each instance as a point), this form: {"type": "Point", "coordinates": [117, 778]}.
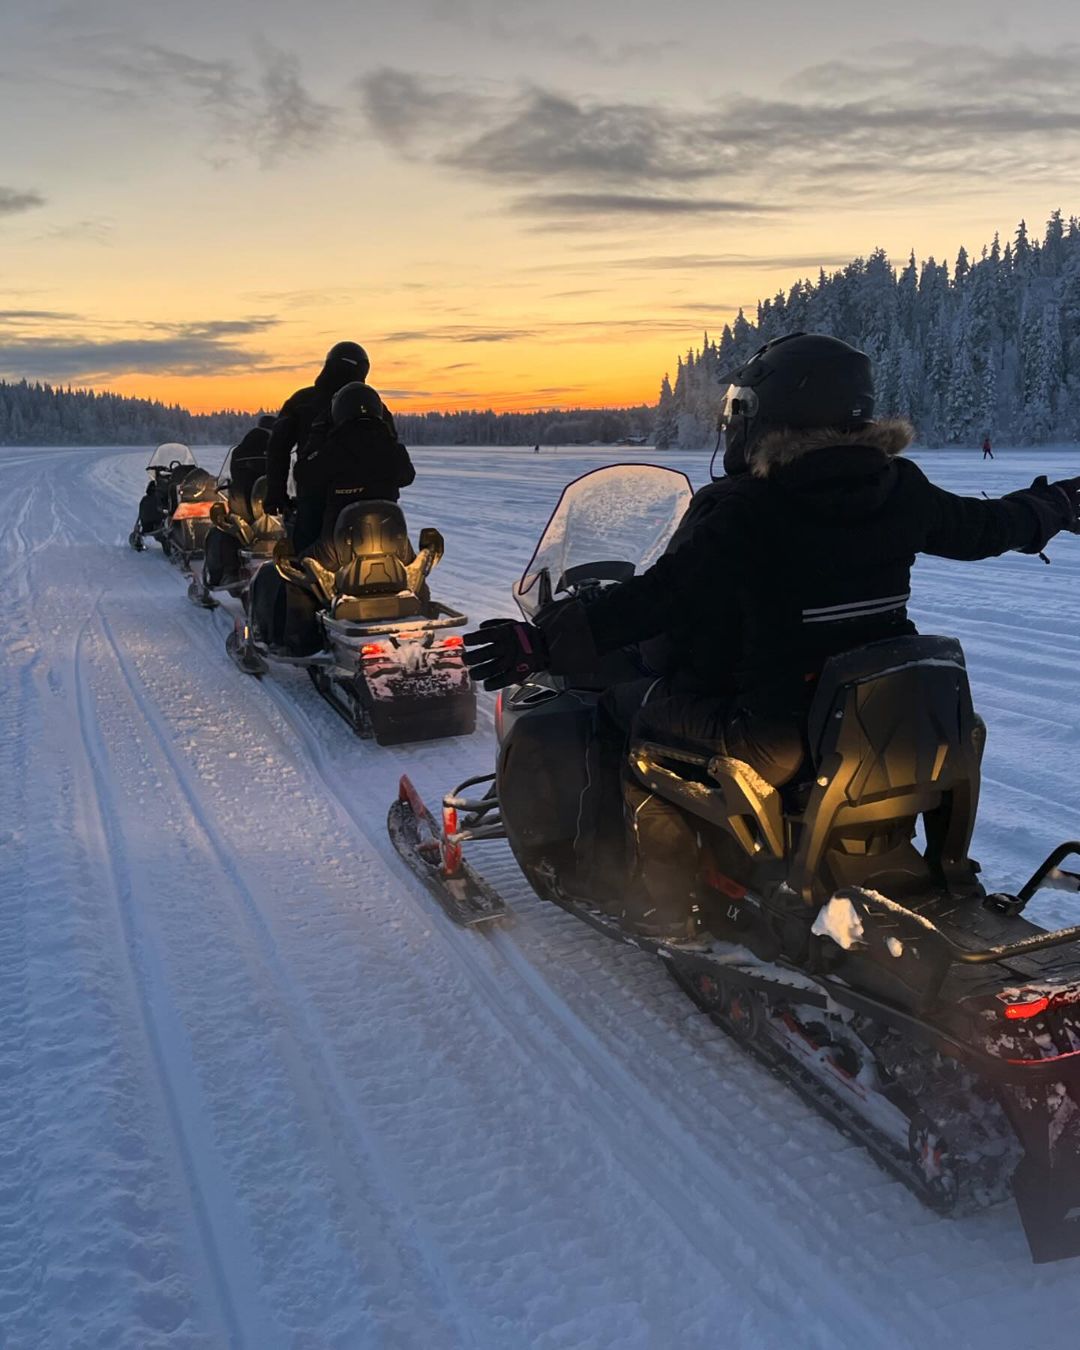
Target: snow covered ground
{"type": "Point", "coordinates": [255, 1089]}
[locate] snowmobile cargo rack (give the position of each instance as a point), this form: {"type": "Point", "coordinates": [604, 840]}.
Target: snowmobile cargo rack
{"type": "Point", "coordinates": [444, 618]}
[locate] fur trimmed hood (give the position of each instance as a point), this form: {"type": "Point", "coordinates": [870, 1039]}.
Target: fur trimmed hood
{"type": "Point", "coordinates": [891, 437]}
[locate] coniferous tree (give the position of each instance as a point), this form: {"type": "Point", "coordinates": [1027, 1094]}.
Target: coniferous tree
{"type": "Point", "coordinates": [990, 347]}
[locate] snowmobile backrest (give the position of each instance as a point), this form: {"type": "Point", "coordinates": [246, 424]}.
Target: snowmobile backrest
{"type": "Point", "coordinates": [370, 529]}
{"type": "Point", "coordinates": [264, 528]}
{"type": "Point", "coordinates": [893, 736]}
{"type": "Point", "coordinates": [374, 574]}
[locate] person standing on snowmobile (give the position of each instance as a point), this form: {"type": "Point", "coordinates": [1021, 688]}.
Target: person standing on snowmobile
{"type": "Point", "coordinates": [247, 464]}
{"type": "Point", "coordinates": [359, 459]}
{"type": "Point", "coordinates": [304, 423]}
{"type": "Point", "coordinates": [812, 543]}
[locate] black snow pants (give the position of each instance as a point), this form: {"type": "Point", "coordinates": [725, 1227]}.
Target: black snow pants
{"type": "Point", "coordinates": [284, 616]}
{"type": "Point", "coordinates": [221, 557]}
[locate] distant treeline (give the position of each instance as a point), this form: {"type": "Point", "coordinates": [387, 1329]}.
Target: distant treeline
{"type": "Point", "coordinates": [38, 414]}
{"type": "Point", "coordinates": [552, 427]}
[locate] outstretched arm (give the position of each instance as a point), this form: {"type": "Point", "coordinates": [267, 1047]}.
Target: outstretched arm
{"type": "Point", "coordinates": [970, 528]}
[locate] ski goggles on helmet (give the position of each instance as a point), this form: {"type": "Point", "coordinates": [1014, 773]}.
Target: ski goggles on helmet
{"type": "Point", "coordinates": [739, 401]}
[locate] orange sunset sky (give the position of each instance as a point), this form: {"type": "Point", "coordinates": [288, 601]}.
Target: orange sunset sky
{"type": "Point", "coordinates": [510, 204]}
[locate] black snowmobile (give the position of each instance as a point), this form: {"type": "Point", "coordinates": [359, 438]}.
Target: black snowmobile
{"type": "Point", "coordinates": [242, 516]}
{"type": "Point", "coordinates": [380, 653]}
{"type": "Point", "coordinates": [169, 465]}
{"type": "Point", "coordinates": [846, 937]}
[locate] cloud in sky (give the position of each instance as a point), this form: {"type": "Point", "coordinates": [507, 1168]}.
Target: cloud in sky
{"type": "Point", "coordinates": [267, 111]}
{"type": "Point", "coordinates": [14, 201]}
{"type": "Point", "coordinates": [189, 349]}
{"type": "Point", "coordinates": [635, 204]}
{"type": "Point", "coordinates": [914, 111]}
{"type": "Point", "coordinates": [457, 333]}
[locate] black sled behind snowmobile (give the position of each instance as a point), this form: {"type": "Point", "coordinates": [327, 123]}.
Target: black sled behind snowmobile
{"type": "Point", "coordinates": [925, 1016]}
{"type": "Point", "coordinates": [384, 658]}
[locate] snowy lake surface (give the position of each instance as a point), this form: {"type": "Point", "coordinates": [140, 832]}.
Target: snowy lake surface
{"type": "Point", "coordinates": [256, 1090]}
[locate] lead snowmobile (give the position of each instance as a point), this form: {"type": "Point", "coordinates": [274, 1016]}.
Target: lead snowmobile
{"type": "Point", "coordinates": [169, 465]}
{"type": "Point", "coordinates": [382, 658]}
{"type": "Point", "coordinates": [919, 1009]}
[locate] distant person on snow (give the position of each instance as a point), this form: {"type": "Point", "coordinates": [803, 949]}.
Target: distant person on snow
{"type": "Point", "coordinates": [304, 423]}
{"type": "Point", "coordinates": [810, 542]}
{"type": "Point", "coordinates": [987, 451]}
{"type": "Point", "coordinates": [360, 460]}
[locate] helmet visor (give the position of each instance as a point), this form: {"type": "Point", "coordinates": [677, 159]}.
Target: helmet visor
{"type": "Point", "coordinates": [739, 401]}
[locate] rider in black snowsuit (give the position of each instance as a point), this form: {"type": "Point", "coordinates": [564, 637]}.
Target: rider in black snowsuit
{"type": "Point", "coordinates": [359, 460]}
{"type": "Point", "coordinates": [302, 425]}
{"type": "Point", "coordinates": [804, 555]}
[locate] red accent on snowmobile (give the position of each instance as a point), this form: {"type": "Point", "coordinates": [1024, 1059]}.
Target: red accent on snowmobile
{"type": "Point", "coordinates": [464, 895]}
{"type": "Point", "coordinates": [451, 852]}
{"type": "Point", "coordinates": [1015, 1011]}
{"type": "Point", "coordinates": [724, 884]}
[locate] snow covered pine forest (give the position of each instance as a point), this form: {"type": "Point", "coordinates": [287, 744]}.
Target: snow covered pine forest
{"type": "Point", "coordinates": [990, 347]}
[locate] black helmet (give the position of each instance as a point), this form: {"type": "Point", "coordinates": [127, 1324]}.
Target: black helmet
{"type": "Point", "coordinates": [267, 421]}
{"type": "Point", "coordinates": [350, 355]}
{"type": "Point", "coordinates": [355, 400]}
{"type": "Point", "coordinates": [804, 380]}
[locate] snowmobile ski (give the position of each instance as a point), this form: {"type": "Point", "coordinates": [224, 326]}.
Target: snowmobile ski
{"type": "Point", "coordinates": [435, 857]}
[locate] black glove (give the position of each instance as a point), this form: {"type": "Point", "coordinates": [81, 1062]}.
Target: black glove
{"type": "Point", "coordinates": [1068, 490]}
{"type": "Point", "coordinates": [505, 651]}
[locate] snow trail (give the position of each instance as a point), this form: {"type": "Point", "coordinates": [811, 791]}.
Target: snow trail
{"type": "Point", "coordinates": [258, 1091]}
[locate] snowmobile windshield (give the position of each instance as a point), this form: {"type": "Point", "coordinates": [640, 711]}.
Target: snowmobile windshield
{"type": "Point", "coordinates": [608, 524]}
{"type": "Point", "coordinates": [169, 453]}
{"type": "Point", "coordinates": [225, 472]}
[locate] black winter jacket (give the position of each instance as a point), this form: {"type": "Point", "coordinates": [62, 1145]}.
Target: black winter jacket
{"type": "Point", "coordinates": [248, 461]}
{"type": "Point", "coordinates": [298, 414]}
{"type": "Point", "coordinates": [304, 424]}
{"type": "Point", "coordinates": [808, 555]}
{"type": "Point", "coordinates": [359, 461]}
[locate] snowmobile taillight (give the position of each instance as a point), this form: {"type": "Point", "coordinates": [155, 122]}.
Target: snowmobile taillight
{"type": "Point", "coordinates": [454, 642]}
{"type": "Point", "coordinates": [370, 649]}
{"type": "Point", "coordinates": [193, 511]}
{"type": "Point", "coordinates": [1016, 1012]}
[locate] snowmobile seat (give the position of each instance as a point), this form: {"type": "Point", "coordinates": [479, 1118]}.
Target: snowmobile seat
{"type": "Point", "coordinates": [893, 737]}
{"type": "Point", "coordinates": [265, 530]}
{"type": "Point", "coordinates": [375, 584]}
{"type": "Point", "coordinates": [375, 587]}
